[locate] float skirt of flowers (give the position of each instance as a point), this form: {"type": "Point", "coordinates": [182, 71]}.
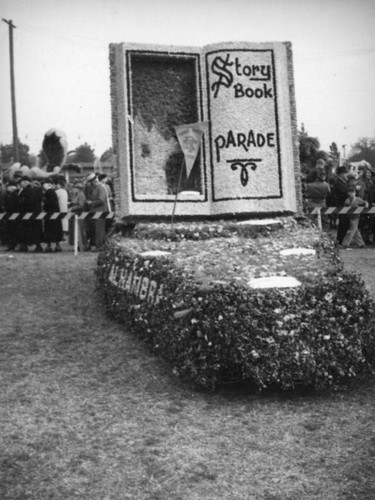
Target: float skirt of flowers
{"type": "Point", "coordinates": [189, 298]}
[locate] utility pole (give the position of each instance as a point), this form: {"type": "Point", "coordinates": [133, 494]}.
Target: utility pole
{"type": "Point", "coordinates": [12, 90]}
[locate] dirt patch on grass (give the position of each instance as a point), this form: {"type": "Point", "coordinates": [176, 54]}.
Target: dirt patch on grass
{"type": "Point", "coordinates": [86, 412]}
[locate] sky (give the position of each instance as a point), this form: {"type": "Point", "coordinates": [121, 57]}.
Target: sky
{"type": "Point", "coordinates": [61, 59]}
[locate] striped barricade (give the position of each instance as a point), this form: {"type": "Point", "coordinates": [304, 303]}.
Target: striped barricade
{"type": "Point", "coordinates": [40, 216]}
{"type": "Point", "coordinates": [13, 216]}
{"type": "Point", "coordinates": [341, 211]}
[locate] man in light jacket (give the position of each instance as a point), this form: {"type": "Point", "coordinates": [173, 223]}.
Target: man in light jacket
{"type": "Point", "coordinates": [97, 201]}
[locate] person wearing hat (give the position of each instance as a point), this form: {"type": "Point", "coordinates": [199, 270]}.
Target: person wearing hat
{"type": "Point", "coordinates": [96, 201]}
{"type": "Point", "coordinates": [17, 175]}
{"type": "Point", "coordinates": [77, 206]}
{"type": "Point", "coordinates": [62, 197]}
{"type": "Point", "coordinates": [103, 178]}
{"type": "Point", "coordinates": [31, 231]}
{"type": "Point", "coordinates": [339, 194]}
{"type": "Point", "coordinates": [88, 223]}
{"type": "Point", "coordinates": [110, 204]}
{"type": "Point", "coordinates": [89, 185]}
{"type": "Point", "coordinates": [53, 231]}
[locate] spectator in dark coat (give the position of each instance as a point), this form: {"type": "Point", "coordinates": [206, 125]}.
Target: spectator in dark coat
{"type": "Point", "coordinates": [365, 189]}
{"type": "Point", "coordinates": [96, 202]}
{"type": "Point", "coordinates": [3, 235]}
{"type": "Point", "coordinates": [339, 194]}
{"type": "Point", "coordinates": [11, 206]}
{"type": "Point", "coordinates": [36, 185]}
{"type": "Point", "coordinates": [53, 230]}
{"type": "Point", "coordinates": [29, 201]}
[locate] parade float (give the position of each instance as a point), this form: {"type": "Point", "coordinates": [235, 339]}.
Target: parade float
{"type": "Point", "coordinates": [214, 264]}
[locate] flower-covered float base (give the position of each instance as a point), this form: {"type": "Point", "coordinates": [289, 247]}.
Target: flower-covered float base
{"type": "Point", "coordinates": [269, 306]}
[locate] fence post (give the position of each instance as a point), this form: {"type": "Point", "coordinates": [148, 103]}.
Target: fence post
{"type": "Point", "coordinates": [75, 234]}
{"type": "Point", "coordinates": [319, 216]}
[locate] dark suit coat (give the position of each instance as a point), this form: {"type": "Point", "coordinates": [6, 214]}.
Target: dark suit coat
{"type": "Point", "coordinates": [31, 231]}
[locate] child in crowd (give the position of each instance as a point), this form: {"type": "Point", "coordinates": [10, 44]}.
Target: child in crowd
{"type": "Point", "coordinates": [353, 234]}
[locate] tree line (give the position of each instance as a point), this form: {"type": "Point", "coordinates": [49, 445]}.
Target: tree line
{"type": "Point", "coordinates": [309, 152]}
{"type": "Point", "coordinates": [82, 154]}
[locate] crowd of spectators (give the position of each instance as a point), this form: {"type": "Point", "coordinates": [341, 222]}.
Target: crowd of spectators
{"type": "Point", "coordinates": [343, 189]}
{"type": "Point", "coordinates": [22, 194]}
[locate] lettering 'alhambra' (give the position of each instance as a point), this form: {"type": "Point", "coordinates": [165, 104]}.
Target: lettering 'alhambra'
{"type": "Point", "coordinates": [141, 286]}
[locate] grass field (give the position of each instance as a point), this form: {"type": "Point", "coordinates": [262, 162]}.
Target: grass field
{"type": "Point", "coordinates": [87, 413]}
